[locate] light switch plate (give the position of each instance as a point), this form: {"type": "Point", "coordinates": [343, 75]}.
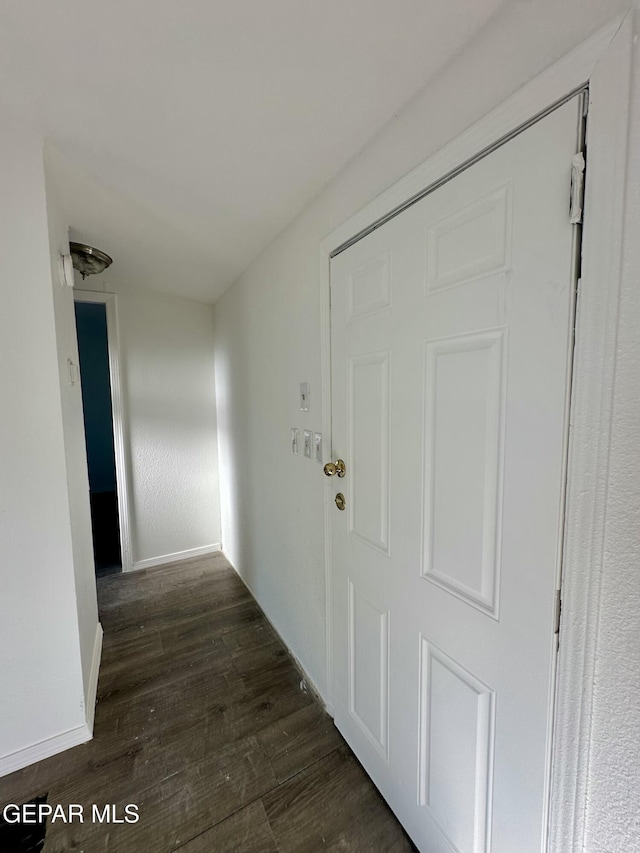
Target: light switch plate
{"type": "Point", "coordinates": [308, 437]}
{"type": "Point", "coordinates": [295, 441]}
{"type": "Point", "coordinates": [317, 446]}
{"type": "Point", "coordinates": [304, 396]}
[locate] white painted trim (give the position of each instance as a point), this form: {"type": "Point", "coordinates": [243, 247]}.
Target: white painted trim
{"type": "Point", "coordinates": [311, 686]}
{"type": "Point", "coordinates": [189, 554]}
{"type": "Point", "coordinates": [109, 300]}
{"type": "Point", "coordinates": [44, 749]}
{"type": "Point", "coordinates": [92, 687]}
{"type": "Point", "coordinates": [325, 356]}
{"type": "Point", "coordinates": [603, 61]}
{"type": "Point", "coordinates": [590, 437]}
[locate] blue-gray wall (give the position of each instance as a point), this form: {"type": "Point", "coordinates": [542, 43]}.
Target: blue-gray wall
{"type": "Point", "coordinates": [91, 322]}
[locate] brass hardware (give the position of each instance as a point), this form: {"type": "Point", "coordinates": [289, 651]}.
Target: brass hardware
{"type": "Point", "coordinates": [340, 501]}
{"type": "Point", "coordinates": [333, 468]}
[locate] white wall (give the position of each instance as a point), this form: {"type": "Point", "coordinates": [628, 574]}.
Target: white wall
{"type": "Point", "coordinates": [267, 338]}
{"type": "Point", "coordinates": [40, 656]}
{"type": "Point", "coordinates": [268, 342]}
{"type": "Point", "coordinates": [74, 443]}
{"type": "Point", "coordinates": [166, 349]}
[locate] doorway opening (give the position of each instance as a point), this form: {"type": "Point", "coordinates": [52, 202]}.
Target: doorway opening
{"type": "Point", "coordinates": [93, 349]}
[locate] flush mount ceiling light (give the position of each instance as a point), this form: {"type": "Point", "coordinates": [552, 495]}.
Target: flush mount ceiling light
{"type": "Point", "coordinates": [89, 261]}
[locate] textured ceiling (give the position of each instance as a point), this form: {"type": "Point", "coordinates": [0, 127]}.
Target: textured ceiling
{"type": "Point", "coordinates": [183, 136]}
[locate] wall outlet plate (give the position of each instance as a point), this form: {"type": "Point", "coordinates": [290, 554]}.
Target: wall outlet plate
{"type": "Point", "coordinates": [304, 396]}
{"type": "Point", "coordinates": [308, 438]}
{"type": "Point", "coordinates": [317, 446]}
{"type": "Point", "coordinates": [295, 441]}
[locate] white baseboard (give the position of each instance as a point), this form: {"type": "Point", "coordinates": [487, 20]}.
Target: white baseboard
{"type": "Point", "coordinates": [177, 557]}
{"type": "Point", "coordinates": [310, 683]}
{"type": "Point", "coordinates": [65, 740]}
{"type": "Point", "coordinates": [44, 749]}
{"type": "Point", "coordinates": [92, 687]}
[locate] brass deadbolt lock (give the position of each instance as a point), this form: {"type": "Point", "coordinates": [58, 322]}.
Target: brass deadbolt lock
{"type": "Point", "coordinates": [340, 501]}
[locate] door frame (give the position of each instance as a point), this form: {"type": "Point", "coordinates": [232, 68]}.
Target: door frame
{"type": "Point", "coordinates": [603, 63]}
{"type": "Point", "coordinates": [118, 417]}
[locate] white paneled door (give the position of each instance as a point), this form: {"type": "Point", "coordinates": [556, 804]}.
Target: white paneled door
{"type": "Point", "coordinates": [451, 330]}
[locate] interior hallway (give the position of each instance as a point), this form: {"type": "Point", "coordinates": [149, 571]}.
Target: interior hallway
{"type": "Point", "coordinates": [202, 722]}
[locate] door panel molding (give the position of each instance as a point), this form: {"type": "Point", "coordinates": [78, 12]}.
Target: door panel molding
{"type": "Point", "coordinates": [378, 692]}
{"type": "Point", "coordinates": [368, 420]}
{"type": "Point", "coordinates": [484, 593]}
{"type": "Point", "coordinates": [486, 220]}
{"type": "Point", "coordinates": [602, 62]}
{"type": "Point", "coordinates": [471, 822]}
{"type": "Point", "coordinates": [374, 275]}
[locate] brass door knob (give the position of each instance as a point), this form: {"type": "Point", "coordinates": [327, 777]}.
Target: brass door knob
{"type": "Point", "coordinates": [333, 468]}
{"type": "Point", "coordinates": [340, 501]}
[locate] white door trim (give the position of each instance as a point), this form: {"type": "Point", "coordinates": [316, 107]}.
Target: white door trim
{"type": "Point", "coordinates": [590, 436]}
{"type": "Point", "coordinates": [118, 410]}
{"type": "Point", "coordinates": [604, 63]}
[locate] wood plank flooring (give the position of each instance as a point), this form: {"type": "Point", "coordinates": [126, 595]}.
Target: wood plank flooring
{"type": "Point", "coordinates": [203, 723]}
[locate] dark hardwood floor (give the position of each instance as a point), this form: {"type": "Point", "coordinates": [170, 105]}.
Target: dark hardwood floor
{"type": "Point", "coordinates": [203, 723]}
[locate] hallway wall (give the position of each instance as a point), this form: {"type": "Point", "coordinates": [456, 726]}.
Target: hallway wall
{"type": "Point", "coordinates": [75, 455]}
{"type": "Point", "coordinates": [166, 346]}
{"type": "Point", "coordinates": [267, 338]}
{"type": "Point", "coordinates": [43, 649]}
